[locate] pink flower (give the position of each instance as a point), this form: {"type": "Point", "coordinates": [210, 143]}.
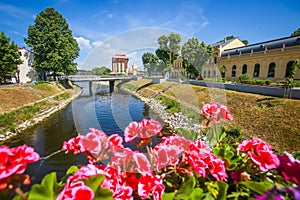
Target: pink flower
{"type": "Point", "coordinates": [217, 168]}
{"type": "Point", "coordinates": [260, 153]}
{"type": "Point", "coordinates": [151, 184]}
{"type": "Point", "coordinates": [73, 145]}
{"type": "Point", "coordinates": [142, 163]}
{"type": "Point", "coordinates": [216, 111]}
{"type": "Point", "coordinates": [15, 160]}
{"type": "Point", "coordinates": [289, 167]}
{"type": "Point", "coordinates": [142, 130]}
{"type": "Point", "coordinates": [76, 191]}
{"type": "Point", "coordinates": [168, 155]}
{"type": "Point", "coordinates": [95, 142]}
{"type": "Point", "coordinates": [202, 160]}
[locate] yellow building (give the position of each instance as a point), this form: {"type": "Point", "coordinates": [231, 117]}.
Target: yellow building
{"type": "Point", "coordinates": [178, 69]}
{"type": "Point", "coordinates": [266, 60]}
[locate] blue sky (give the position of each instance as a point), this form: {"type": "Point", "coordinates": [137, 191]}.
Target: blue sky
{"type": "Point", "coordinates": [105, 27]}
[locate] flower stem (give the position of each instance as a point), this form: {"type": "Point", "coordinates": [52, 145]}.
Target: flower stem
{"type": "Point", "coordinates": [20, 193]}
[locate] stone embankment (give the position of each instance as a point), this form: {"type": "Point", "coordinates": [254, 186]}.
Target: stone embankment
{"type": "Point", "coordinates": [40, 116]}
{"type": "Point", "coordinates": [172, 121]}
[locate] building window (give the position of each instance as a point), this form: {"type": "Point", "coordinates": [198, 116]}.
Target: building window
{"type": "Point", "coordinates": [214, 73]}
{"type": "Point", "coordinates": [208, 74]}
{"type": "Point", "coordinates": [256, 70]}
{"type": "Point", "coordinates": [244, 69]}
{"type": "Point", "coordinates": [223, 71]}
{"type": "Point", "coordinates": [289, 68]}
{"type": "Point", "coordinates": [233, 72]}
{"type": "Point", "coordinates": [271, 71]}
{"type": "Point", "coordinates": [204, 74]}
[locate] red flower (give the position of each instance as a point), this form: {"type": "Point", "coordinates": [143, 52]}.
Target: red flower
{"type": "Point", "coordinates": [289, 167]}
{"type": "Point", "coordinates": [76, 191]}
{"type": "Point", "coordinates": [142, 130]}
{"type": "Point", "coordinates": [151, 184]}
{"type": "Point", "coordinates": [168, 155]}
{"type": "Point", "coordinates": [15, 160]}
{"type": "Point", "coordinates": [260, 153]}
{"type": "Point", "coordinates": [73, 145]}
{"type": "Point", "coordinates": [142, 163]}
{"type": "Point", "coordinates": [216, 111]}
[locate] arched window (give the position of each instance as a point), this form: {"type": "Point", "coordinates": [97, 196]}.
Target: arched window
{"type": "Point", "coordinates": [208, 74]}
{"type": "Point", "coordinates": [204, 74]}
{"type": "Point", "coordinates": [271, 71]}
{"type": "Point", "coordinates": [289, 68]}
{"type": "Point", "coordinates": [256, 70]}
{"type": "Point", "coordinates": [223, 71]}
{"type": "Point", "coordinates": [244, 70]}
{"type": "Point", "coordinates": [233, 72]}
{"type": "Point", "coordinates": [214, 74]}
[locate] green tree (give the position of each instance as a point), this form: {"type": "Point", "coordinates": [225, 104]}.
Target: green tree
{"type": "Point", "coordinates": [100, 71]}
{"type": "Point", "coordinates": [169, 47]}
{"type": "Point", "coordinates": [195, 54]}
{"type": "Point", "coordinates": [150, 62]}
{"type": "Point", "coordinates": [296, 32]}
{"type": "Point", "coordinates": [9, 57]}
{"type": "Point", "coordinates": [52, 40]}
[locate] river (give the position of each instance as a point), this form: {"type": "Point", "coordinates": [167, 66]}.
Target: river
{"type": "Point", "coordinates": [110, 112]}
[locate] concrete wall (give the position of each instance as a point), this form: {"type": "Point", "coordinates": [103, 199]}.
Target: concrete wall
{"type": "Point", "coordinates": [255, 89]}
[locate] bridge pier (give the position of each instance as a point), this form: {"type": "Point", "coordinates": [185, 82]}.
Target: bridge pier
{"type": "Point", "coordinates": [111, 86]}
{"type": "Point", "coordinates": [90, 88]}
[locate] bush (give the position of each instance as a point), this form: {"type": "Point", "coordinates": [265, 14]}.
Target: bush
{"type": "Point", "coordinates": [244, 77]}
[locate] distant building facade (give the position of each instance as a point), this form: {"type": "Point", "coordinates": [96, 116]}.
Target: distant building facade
{"type": "Point", "coordinates": [266, 60]}
{"type": "Point", "coordinates": [120, 64]}
{"type": "Point", "coordinates": [177, 69]}
{"type": "Point", "coordinates": [25, 71]}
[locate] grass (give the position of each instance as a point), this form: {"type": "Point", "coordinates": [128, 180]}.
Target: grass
{"type": "Point", "coordinates": [275, 120]}
{"type": "Point", "coordinates": [9, 120]}
{"type": "Point", "coordinates": [45, 89]}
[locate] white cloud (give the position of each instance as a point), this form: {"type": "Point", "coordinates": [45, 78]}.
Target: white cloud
{"type": "Point", "coordinates": [83, 43]}
{"type": "Point", "coordinates": [97, 43]}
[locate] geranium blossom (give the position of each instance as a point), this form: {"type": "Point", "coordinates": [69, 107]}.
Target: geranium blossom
{"type": "Point", "coordinates": [150, 184]}
{"type": "Point", "coordinates": [142, 130]}
{"type": "Point", "coordinates": [289, 167]}
{"type": "Point", "coordinates": [216, 111]}
{"type": "Point", "coordinates": [76, 191]}
{"type": "Point", "coordinates": [260, 153]}
{"type": "Point", "coordinates": [15, 160]}
{"type": "Point", "coordinates": [202, 160]}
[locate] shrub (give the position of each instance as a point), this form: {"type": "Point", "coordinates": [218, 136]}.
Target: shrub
{"type": "Point", "coordinates": [244, 77]}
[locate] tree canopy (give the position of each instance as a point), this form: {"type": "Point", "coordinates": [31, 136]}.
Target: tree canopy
{"type": "Point", "coordinates": [195, 55]}
{"type": "Point", "coordinates": [51, 39]}
{"type": "Point", "coordinates": [150, 62]}
{"type": "Point", "coordinates": [100, 71]}
{"type": "Point", "coordinates": [169, 47]}
{"type": "Point", "coordinates": [9, 57]}
{"type": "Point", "coordinates": [296, 32]}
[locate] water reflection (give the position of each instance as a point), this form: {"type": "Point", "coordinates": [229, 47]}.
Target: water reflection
{"type": "Point", "coordinates": [102, 110]}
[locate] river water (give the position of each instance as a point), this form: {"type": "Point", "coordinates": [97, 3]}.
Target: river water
{"type": "Point", "coordinates": [110, 112]}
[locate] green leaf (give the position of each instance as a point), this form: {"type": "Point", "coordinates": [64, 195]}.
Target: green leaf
{"type": "Point", "coordinates": [186, 188]}
{"type": "Point", "coordinates": [94, 181]}
{"type": "Point", "coordinates": [103, 194]}
{"type": "Point", "coordinates": [197, 194]}
{"type": "Point", "coordinates": [47, 190]}
{"type": "Point", "coordinates": [72, 169]}
{"type": "Point", "coordinates": [258, 187]}
{"type": "Point", "coordinates": [168, 196]}
{"type": "Point", "coordinates": [223, 187]}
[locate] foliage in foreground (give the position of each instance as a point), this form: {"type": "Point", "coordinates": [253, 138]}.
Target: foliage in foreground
{"type": "Point", "coordinates": [176, 168]}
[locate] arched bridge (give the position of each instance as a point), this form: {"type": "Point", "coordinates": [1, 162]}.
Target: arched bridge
{"type": "Point", "coordinates": [93, 78]}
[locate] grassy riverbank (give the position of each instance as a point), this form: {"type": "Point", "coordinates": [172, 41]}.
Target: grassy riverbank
{"type": "Point", "coordinates": [275, 120]}
{"type": "Point", "coordinates": [21, 104]}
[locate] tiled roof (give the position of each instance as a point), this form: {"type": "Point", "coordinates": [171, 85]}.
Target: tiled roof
{"type": "Point", "coordinates": [272, 44]}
